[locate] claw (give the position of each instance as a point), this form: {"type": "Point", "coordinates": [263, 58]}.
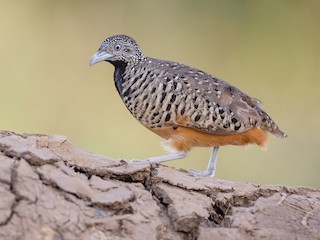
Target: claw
{"type": "Point", "coordinates": [202, 173]}
{"type": "Point", "coordinates": [131, 161]}
{"type": "Point", "coordinates": [124, 162]}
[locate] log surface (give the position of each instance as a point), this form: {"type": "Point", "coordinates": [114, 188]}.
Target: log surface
{"type": "Point", "coordinates": [50, 189]}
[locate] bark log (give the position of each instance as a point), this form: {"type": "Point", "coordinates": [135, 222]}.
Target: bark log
{"type": "Point", "coordinates": [50, 189]}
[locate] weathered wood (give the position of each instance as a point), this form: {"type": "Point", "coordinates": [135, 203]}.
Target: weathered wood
{"type": "Point", "coordinates": [50, 189]}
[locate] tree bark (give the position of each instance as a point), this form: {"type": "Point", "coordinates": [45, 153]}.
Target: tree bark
{"type": "Point", "coordinates": [50, 189]}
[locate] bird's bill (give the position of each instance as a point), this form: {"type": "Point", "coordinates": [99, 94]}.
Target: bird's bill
{"type": "Point", "coordinates": [99, 57]}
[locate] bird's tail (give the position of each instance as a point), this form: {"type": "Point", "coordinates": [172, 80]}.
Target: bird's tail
{"type": "Point", "coordinates": [269, 125]}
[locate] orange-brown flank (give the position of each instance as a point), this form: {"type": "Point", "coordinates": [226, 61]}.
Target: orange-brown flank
{"type": "Point", "coordinates": [183, 139]}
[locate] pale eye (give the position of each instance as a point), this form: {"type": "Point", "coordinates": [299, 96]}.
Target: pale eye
{"type": "Point", "coordinates": [117, 47]}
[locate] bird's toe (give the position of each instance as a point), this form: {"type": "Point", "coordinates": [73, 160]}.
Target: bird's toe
{"type": "Point", "coordinates": [201, 173]}
{"type": "Point", "coordinates": [134, 161]}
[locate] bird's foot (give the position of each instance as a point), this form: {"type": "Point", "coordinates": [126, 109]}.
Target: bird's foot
{"type": "Point", "coordinates": [131, 161]}
{"type": "Point", "coordinates": [202, 173]}
{"type": "Point", "coordinates": [158, 159]}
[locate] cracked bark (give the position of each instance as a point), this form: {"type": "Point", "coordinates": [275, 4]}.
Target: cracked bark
{"type": "Point", "coordinates": [49, 189]}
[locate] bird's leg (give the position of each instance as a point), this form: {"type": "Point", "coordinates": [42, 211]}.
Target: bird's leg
{"type": "Point", "coordinates": [163, 158]}
{"type": "Point", "coordinates": [211, 170]}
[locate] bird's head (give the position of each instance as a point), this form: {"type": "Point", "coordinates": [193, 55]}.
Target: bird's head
{"type": "Point", "coordinates": [118, 49]}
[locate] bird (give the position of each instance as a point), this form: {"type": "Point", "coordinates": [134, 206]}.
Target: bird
{"type": "Point", "coordinates": [185, 106]}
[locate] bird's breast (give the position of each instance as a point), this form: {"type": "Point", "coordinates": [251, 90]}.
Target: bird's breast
{"type": "Point", "coordinates": [152, 102]}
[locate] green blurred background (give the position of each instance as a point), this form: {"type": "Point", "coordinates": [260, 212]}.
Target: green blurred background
{"type": "Point", "coordinates": [269, 49]}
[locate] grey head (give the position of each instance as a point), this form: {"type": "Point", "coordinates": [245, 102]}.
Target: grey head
{"type": "Point", "coordinates": [118, 49]}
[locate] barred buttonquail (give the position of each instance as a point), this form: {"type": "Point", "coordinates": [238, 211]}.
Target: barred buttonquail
{"type": "Point", "coordinates": [186, 106]}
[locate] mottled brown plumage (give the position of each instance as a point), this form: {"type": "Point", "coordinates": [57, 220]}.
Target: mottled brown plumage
{"type": "Point", "coordinates": [184, 105]}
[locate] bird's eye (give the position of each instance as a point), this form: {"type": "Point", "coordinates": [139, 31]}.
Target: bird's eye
{"type": "Point", "coordinates": [117, 47]}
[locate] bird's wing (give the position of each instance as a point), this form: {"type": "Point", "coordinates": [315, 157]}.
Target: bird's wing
{"type": "Point", "coordinates": [208, 104]}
